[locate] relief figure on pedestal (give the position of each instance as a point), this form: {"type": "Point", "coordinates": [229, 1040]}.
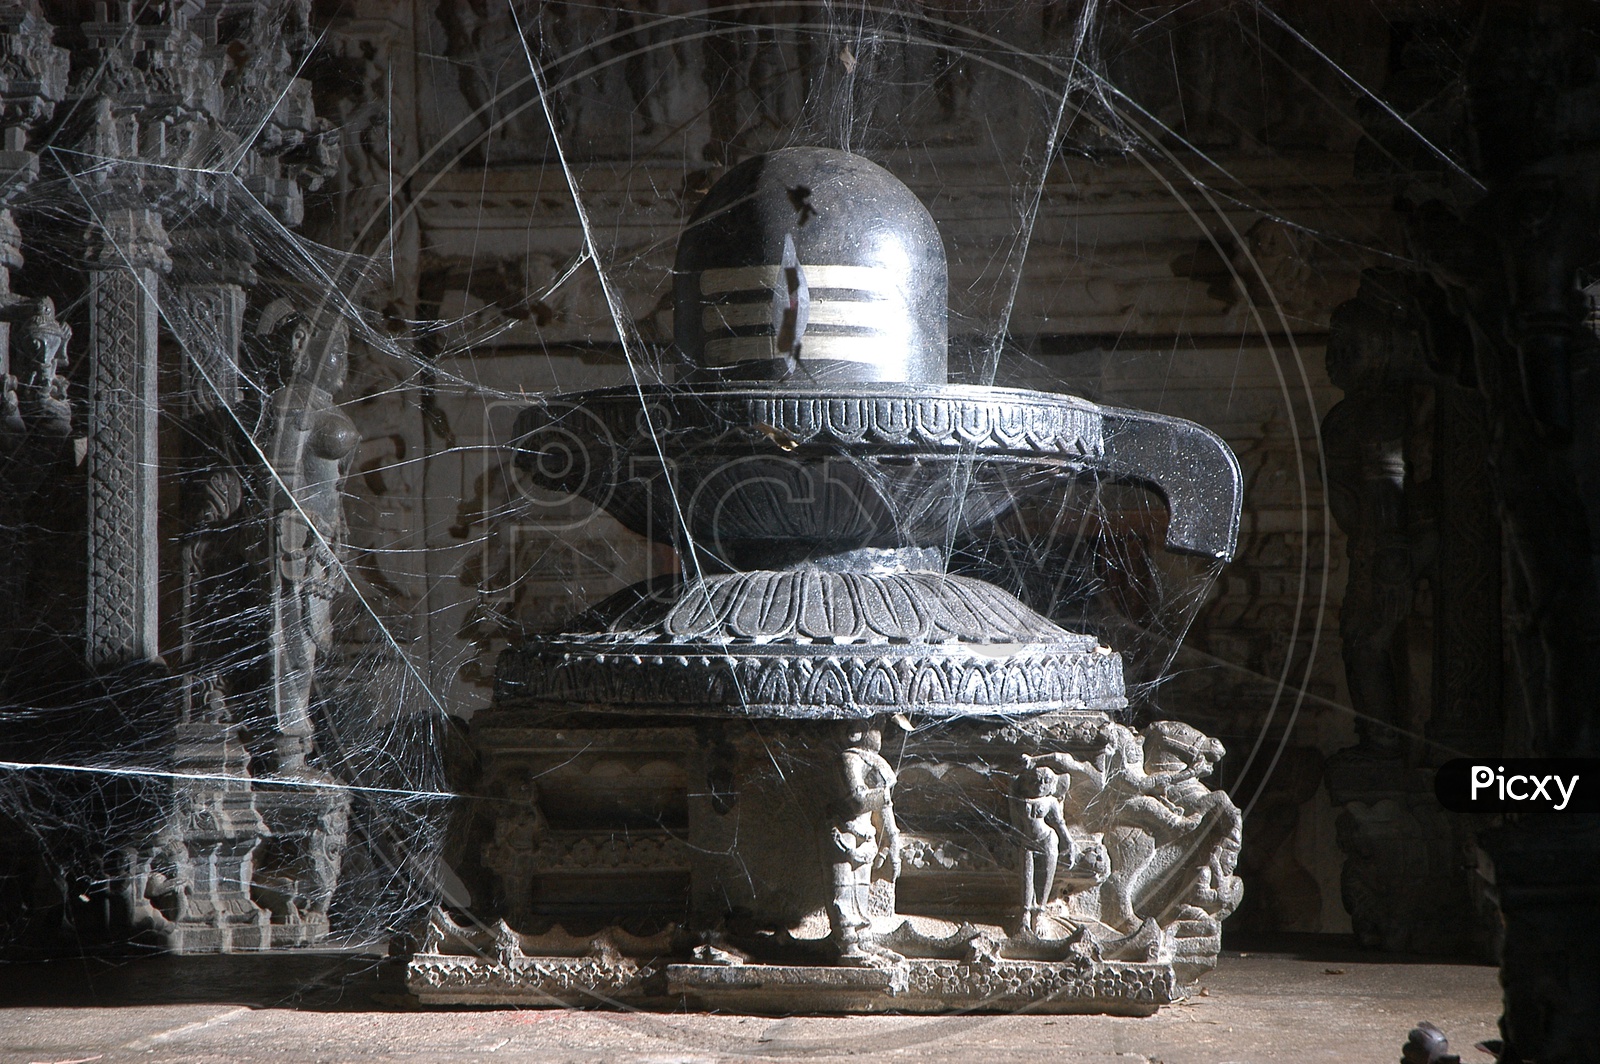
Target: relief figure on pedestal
{"type": "Point", "coordinates": [1148, 797]}
{"type": "Point", "coordinates": [1037, 815]}
{"type": "Point", "coordinates": [511, 854]}
{"type": "Point", "coordinates": [1183, 756]}
{"type": "Point", "coordinates": [297, 880]}
{"type": "Point", "coordinates": [861, 837]}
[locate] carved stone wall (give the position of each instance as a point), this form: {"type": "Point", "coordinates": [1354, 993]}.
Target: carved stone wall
{"type": "Point", "coordinates": [137, 485]}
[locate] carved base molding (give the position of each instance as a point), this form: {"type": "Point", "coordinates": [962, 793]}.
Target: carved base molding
{"type": "Point", "coordinates": [1063, 987]}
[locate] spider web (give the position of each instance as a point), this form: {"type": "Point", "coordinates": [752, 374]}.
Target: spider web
{"type": "Point", "coordinates": [1015, 122]}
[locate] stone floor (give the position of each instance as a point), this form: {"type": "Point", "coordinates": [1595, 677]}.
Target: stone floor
{"type": "Point", "coordinates": [1300, 1005]}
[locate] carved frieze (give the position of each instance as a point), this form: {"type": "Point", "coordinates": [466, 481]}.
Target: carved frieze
{"type": "Point", "coordinates": [815, 606]}
{"type": "Point", "coordinates": [942, 420]}
{"type": "Point", "coordinates": [1117, 987]}
{"type": "Point", "coordinates": [827, 682]}
{"type": "Point", "coordinates": [590, 853]}
{"type": "Point", "coordinates": [465, 980]}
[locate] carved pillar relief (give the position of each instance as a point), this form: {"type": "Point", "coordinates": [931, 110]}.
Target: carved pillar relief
{"type": "Point", "coordinates": [205, 305]}
{"type": "Point", "coordinates": [128, 256]}
{"type": "Point", "coordinates": [1373, 356]}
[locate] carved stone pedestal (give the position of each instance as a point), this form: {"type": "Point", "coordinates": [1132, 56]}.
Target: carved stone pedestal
{"type": "Point", "coordinates": [690, 863]}
{"type": "Point", "coordinates": [298, 866]}
{"type": "Point", "coordinates": [1408, 881]}
{"type": "Point", "coordinates": [192, 886]}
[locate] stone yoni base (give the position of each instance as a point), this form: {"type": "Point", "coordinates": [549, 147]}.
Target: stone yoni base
{"type": "Point", "coordinates": [1060, 863]}
{"type": "Point", "coordinates": [1055, 987]}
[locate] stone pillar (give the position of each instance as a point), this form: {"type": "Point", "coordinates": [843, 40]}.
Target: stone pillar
{"type": "Point", "coordinates": [215, 826]}
{"type": "Point", "coordinates": [1537, 133]}
{"type": "Point", "coordinates": [1466, 715]}
{"type": "Point", "coordinates": [128, 254]}
{"type": "Point", "coordinates": [205, 309]}
{"type": "Point", "coordinates": [1403, 883]}
{"type": "Point", "coordinates": [147, 95]}
{"type": "Point", "coordinates": [33, 78]}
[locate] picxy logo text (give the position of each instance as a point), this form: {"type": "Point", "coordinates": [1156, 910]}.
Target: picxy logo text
{"type": "Point", "coordinates": [1520, 788]}
{"type": "Point", "coordinates": [1519, 784]}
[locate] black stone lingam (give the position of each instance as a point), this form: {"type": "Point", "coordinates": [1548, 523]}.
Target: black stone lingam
{"type": "Point", "coordinates": [699, 798]}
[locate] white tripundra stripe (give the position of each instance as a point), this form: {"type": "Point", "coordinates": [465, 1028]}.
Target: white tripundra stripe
{"type": "Point", "coordinates": [878, 316]}
{"type": "Point", "coordinates": [735, 316]}
{"type": "Point", "coordinates": [874, 279]}
{"type": "Point", "coordinates": [733, 349]}
{"type": "Point", "coordinates": [845, 348]}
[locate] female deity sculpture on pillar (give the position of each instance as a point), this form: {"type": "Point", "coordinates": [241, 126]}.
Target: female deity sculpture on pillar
{"type": "Point", "coordinates": [39, 354]}
{"type": "Point", "coordinates": [311, 444]}
{"type": "Point", "coordinates": [33, 371]}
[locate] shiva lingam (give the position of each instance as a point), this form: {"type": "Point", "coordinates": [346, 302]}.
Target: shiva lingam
{"type": "Point", "coordinates": [815, 770]}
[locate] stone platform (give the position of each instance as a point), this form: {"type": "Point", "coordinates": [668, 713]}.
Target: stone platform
{"type": "Point", "coordinates": [913, 986]}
